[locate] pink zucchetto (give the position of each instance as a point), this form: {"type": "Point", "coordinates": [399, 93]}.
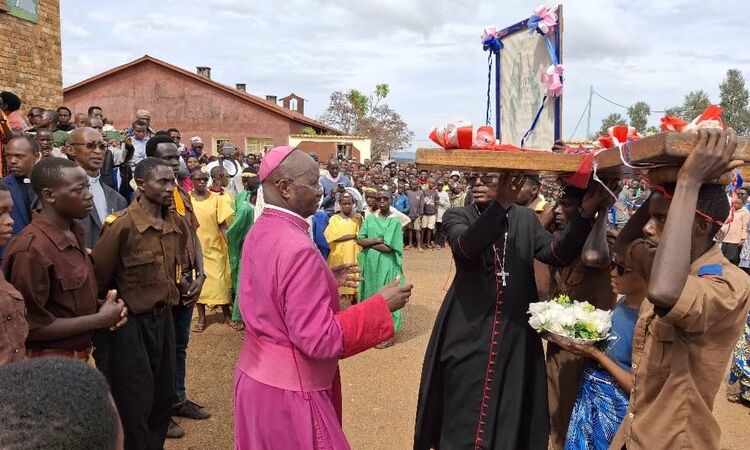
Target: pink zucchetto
{"type": "Point", "coordinates": [272, 160]}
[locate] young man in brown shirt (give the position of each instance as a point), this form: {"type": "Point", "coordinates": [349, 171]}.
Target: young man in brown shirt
{"type": "Point", "coordinates": [48, 263]}
{"type": "Point", "coordinates": [14, 327]}
{"type": "Point", "coordinates": [140, 253]}
{"type": "Point", "coordinates": [162, 147]}
{"type": "Point", "coordinates": [697, 306]}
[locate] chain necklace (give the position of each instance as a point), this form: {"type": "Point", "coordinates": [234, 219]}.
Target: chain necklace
{"type": "Point", "coordinates": [499, 262]}
{"type": "Point", "coordinates": [293, 223]}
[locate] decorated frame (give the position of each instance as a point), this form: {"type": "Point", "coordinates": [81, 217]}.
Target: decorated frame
{"type": "Point", "coordinates": [546, 114]}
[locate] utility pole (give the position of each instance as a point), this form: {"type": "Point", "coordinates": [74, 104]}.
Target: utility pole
{"type": "Point", "coordinates": [588, 122]}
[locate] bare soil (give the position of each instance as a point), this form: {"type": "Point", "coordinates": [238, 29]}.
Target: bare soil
{"type": "Point", "coordinates": [379, 386]}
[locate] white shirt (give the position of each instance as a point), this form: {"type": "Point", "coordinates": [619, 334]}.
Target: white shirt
{"type": "Point", "coordinates": [100, 200]}
{"type": "Point", "coordinates": [235, 182]}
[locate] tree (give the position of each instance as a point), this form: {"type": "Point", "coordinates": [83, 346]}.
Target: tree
{"type": "Point", "coordinates": [610, 121]}
{"type": "Point", "coordinates": [734, 99]}
{"type": "Point", "coordinates": [310, 131]}
{"type": "Point", "coordinates": [693, 105]}
{"type": "Point", "coordinates": [638, 114]}
{"type": "Point", "coordinates": [356, 113]}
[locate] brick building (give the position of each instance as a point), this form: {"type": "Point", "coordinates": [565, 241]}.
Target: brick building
{"type": "Point", "coordinates": [193, 103]}
{"type": "Point", "coordinates": [31, 59]}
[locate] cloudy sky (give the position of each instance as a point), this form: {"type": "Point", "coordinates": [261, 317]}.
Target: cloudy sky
{"type": "Point", "coordinates": [428, 51]}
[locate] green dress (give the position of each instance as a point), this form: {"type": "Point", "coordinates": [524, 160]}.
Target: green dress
{"type": "Point", "coordinates": [244, 216]}
{"type": "Point", "coordinates": [380, 268]}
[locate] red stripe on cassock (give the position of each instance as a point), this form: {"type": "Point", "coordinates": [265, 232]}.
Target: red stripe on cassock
{"type": "Point", "coordinates": [366, 325]}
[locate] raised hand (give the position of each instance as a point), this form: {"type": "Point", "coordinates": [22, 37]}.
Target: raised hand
{"type": "Point", "coordinates": [711, 157]}
{"type": "Point", "coordinates": [508, 188]}
{"type": "Point", "coordinates": [396, 296]}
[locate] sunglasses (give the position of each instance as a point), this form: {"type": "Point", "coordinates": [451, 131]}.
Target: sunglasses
{"type": "Point", "coordinates": [484, 179]}
{"type": "Point", "coordinates": [621, 270]}
{"type": "Point", "coordinates": [92, 145]}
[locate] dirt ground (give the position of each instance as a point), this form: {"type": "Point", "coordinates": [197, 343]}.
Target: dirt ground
{"type": "Point", "coordinates": [379, 386]}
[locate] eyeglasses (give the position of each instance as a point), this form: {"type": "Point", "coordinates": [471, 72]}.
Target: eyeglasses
{"type": "Point", "coordinates": [484, 179]}
{"type": "Point", "coordinates": [621, 270]}
{"type": "Point", "coordinates": [92, 145]}
{"type": "Point", "coordinates": [316, 188]}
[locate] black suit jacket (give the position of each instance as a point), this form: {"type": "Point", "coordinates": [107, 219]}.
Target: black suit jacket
{"type": "Point", "coordinates": [92, 226]}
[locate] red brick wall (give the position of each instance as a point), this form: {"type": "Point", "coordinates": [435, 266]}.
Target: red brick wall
{"type": "Point", "coordinates": [31, 59]}
{"type": "Point", "coordinates": [178, 101]}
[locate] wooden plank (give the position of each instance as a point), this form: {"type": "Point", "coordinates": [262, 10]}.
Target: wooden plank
{"type": "Point", "coordinates": [664, 148]}
{"type": "Point", "coordinates": [487, 160]}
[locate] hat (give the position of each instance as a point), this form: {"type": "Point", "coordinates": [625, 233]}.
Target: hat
{"type": "Point", "coordinates": [455, 173]}
{"type": "Point", "coordinates": [273, 160]}
{"type": "Point", "coordinates": [142, 114]}
{"type": "Point", "coordinates": [196, 140]}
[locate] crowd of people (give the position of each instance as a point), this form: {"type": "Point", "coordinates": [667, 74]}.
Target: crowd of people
{"type": "Point", "coordinates": [110, 239]}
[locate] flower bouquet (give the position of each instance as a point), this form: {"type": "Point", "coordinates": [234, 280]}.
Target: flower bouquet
{"type": "Point", "coordinates": [568, 320]}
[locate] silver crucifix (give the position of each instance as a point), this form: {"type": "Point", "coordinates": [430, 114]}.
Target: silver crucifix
{"type": "Point", "coordinates": [502, 273]}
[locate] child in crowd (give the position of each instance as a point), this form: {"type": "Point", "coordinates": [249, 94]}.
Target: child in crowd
{"type": "Point", "coordinates": [428, 216]}
{"type": "Point", "coordinates": [381, 239]}
{"type": "Point", "coordinates": [607, 379]}
{"type": "Point", "coordinates": [341, 235]}
{"type": "Point", "coordinates": [415, 196]}
{"type": "Point", "coordinates": [444, 202]}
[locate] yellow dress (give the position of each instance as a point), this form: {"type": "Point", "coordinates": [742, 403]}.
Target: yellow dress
{"type": "Point", "coordinates": [342, 252]}
{"type": "Point", "coordinates": [211, 213]}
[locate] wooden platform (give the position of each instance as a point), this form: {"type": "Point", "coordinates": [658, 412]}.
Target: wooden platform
{"type": "Point", "coordinates": [487, 160]}
{"type": "Point", "coordinates": [665, 148]}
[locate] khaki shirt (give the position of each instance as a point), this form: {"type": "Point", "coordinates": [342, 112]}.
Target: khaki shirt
{"type": "Point", "coordinates": [191, 222]}
{"type": "Point", "coordinates": [140, 261]}
{"type": "Point", "coordinates": [680, 358]}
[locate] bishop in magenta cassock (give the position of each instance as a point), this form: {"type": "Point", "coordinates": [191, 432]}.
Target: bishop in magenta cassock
{"type": "Point", "coordinates": [287, 389]}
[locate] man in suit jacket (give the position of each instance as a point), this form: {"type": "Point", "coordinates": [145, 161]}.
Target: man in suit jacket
{"type": "Point", "coordinates": [21, 153]}
{"type": "Point", "coordinates": [87, 148]}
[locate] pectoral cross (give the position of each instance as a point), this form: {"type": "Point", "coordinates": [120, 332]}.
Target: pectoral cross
{"type": "Point", "coordinates": [502, 273]}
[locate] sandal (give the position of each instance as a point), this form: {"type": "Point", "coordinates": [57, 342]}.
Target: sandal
{"type": "Point", "coordinates": [236, 326]}
{"type": "Point", "coordinates": [198, 327]}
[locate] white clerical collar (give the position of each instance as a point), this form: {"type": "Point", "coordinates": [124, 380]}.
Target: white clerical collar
{"type": "Point", "coordinates": [284, 210]}
{"type": "Point", "coordinates": [94, 179]}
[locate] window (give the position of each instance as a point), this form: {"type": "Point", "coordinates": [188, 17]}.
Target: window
{"type": "Point", "coordinates": [26, 10]}
{"type": "Point", "coordinates": [344, 151]}
{"type": "Point", "coordinates": [256, 145]}
{"type": "Point", "coordinates": [218, 142]}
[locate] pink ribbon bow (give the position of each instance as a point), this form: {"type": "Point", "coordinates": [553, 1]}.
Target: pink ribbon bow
{"type": "Point", "coordinates": [489, 32]}
{"type": "Point", "coordinates": [547, 19]}
{"type": "Point", "coordinates": [552, 80]}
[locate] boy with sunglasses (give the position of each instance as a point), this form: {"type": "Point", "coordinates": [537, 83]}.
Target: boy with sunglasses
{"type": "Point", "coordinates": [87, 148]}
{"type": "Point", "coordinates": [696, 307]}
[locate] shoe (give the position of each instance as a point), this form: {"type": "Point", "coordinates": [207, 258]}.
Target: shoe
{"type": "Point", "coordinates": [386, 344]}
{"type": "Point", "coordinates": [191, 410]}
{"type": "Point", "coordinates": [174, 431]}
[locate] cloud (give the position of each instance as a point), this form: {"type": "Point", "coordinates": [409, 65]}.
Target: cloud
{"type": "Point", "coordinates": [427, 51]}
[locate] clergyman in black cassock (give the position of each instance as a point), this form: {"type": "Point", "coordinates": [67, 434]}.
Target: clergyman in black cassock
{"type": "Point", "coordinates": [483, 382]}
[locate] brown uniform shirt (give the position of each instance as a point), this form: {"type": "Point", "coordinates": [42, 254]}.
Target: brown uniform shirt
{"type": "Point", "coordinates": [55, 276]}
{"type": "Point", "coordinates": [680, 358]}
{"type": "Point", "coordinates": [140, 261]}
{"type": "Point", "coordinates": [14, 327]}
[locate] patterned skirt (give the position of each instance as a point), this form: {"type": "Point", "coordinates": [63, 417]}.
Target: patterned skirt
{"type": "Point", "coordinates": [598, 412]}
{"type": "Point", "coordinates": [739, 375]}
{"type": "Point", "coordinates": [745, 255]}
